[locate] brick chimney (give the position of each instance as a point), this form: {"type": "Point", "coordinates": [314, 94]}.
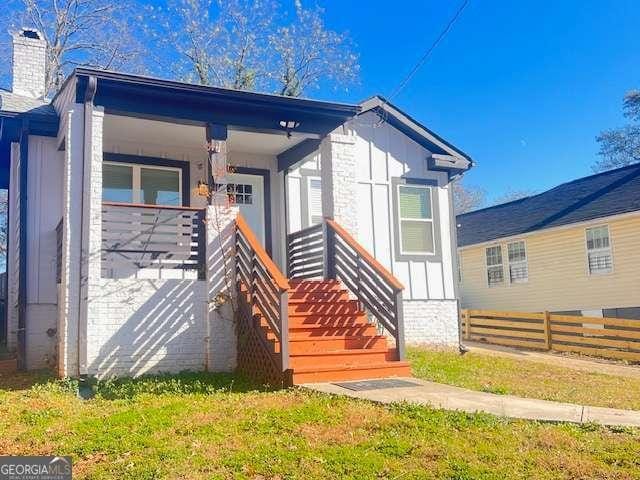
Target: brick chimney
{"type": "Point", "coordinates": [29, 63]}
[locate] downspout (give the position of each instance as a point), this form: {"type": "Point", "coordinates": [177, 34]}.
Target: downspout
{"type": "Point", "coordinates": [453, 228]}
{"type": "Point", "coordinates": [89, 95]}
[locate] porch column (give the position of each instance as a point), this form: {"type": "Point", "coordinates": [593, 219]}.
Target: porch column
{"type": "Point", "coordinates": [220, 343]}
{"type": "Point", "coordinates": [81, 236]}
{"type": "Point", "coordinates": [69, 296]}
{"type": "Point", "coordinates": [218, 163]}
{"type": "Point", "coordinates": [339, 180]}
{"type": "Point", "coordinates": [91, 273]}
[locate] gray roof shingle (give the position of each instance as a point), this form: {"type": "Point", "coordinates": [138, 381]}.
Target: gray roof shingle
{"type": "Point", "coordinates": [601, 195]}
{"type": "Point", "coordinates": [14, 103]}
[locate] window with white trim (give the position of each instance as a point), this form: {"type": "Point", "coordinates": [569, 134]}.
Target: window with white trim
{"type": "Point", "coordinates": [599, 256]}
{"type": "Point", "coordinates": [314, 192]}
{"type": "Point", "coordinates": [137, 183]}
{"type": "Point", "coordinates": [495, 272]}
{"type": "Point", "coordinates": [416, 220]}
{"type": "Point", "coordinates": [518, 267]}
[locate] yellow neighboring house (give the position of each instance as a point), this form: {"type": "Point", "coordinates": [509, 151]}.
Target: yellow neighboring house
{"type": "Point", "coordinates": [573, 249]}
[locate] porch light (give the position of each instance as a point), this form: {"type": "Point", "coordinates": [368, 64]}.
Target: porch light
{"type": "Point", "coordinates": [203, 188]}
{"type": "Point", "coordinates": [289, 125]}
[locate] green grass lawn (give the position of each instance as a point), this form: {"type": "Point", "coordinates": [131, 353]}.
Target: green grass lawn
{"type": "Point", "coordinates": [217, 426]}
{"type": "Point", "coordinates": [524, 378]}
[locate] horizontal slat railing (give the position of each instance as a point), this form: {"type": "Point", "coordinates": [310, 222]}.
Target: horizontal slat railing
{"type": "Point", "coordinates": [328, 251]}
{"type": "Point", "coordinates": [617, 338]}
{"type": "Point", "coordinates": [150, 237]}
{"type": "Point", "coordinates": [266, 289]}
{"type": "Point", "coordinates": [306, 253]}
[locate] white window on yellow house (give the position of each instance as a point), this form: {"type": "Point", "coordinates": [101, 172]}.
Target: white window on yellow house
{"type": "Point", "coordinates": [416, 220]}
{"type": "Point", "coordinates": [599, 256]}
{"type": "Point", "coordinates": [518, 268]}
{"type": "Point", "coordinates": [495, 272]}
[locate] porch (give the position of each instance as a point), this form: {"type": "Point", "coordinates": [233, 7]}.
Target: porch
{"type": "Point", "coordinates": [181, 227]}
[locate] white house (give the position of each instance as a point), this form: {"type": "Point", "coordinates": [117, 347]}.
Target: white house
{"type": "Point", "coordinates": [127, 254]}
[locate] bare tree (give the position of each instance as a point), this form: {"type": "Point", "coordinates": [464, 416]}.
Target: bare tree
{"type": "Point", "coordinates": [93, 33]}
{"type": "Point", "coordinates": [467, 198]}
{"type": "Point", "coordinates": [217, 42]}
{"type": "Point", "coordinates": [621, 146]}
{"type": "Point", "coordinates": [308, 53]}
{"type": "Point", "coordinates": [237, 44]}
{"type": "Point", "coordinates": [512, 195]}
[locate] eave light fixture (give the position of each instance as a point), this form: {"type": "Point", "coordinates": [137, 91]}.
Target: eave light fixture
{"type": "Point", "coordinates": [289, 125]}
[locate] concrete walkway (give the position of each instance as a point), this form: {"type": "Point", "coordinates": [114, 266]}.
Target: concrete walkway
{"type": "Point", "coordinates": [454, 398]}
{"type": "Point", "coordinates": [575, 363]}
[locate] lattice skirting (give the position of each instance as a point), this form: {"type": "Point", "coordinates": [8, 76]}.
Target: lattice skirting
{"type": "Point", "coordinates": [254, 359]}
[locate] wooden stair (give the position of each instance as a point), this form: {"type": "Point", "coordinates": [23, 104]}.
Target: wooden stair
{"type": "Point", "coordinates": [331, 339]}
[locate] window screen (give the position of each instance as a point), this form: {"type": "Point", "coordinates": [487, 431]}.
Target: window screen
{"type": "Point", "coordinates": [518, 268]}
{"type": "Point", "coordinates": [416, 220]}
{"type": "Point", "coordinates": [495, 272]}
{"type": "Point", "coordinates": [315, 201]}
{"type": "Point", "coordinates": [599, 255]}
{"type": "Point", "coordinates": [135, 183]}
{"type": "Point", "coordinates": [159, 186]}
{"type": "Point", "coordinates": [117, 183]}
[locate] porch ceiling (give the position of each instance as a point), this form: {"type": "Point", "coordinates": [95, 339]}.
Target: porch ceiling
{"type": "Point", "coordinates": [158, 99]}
{"type": "Point", "coordinates": [154, 132]}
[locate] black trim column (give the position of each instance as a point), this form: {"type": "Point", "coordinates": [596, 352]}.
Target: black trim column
{"type": "Point", "coordinates": [22, 253]}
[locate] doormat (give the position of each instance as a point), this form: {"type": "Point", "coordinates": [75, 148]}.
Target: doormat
{"type": "Point", "coordinates": [377, 384]}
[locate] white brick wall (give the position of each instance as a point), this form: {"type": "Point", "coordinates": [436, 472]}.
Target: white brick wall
{"type": "Point", "coordinates": [431, 321]}
{"type": "Point", "coordinates": [29, 66]}
{"type": "Point", "coordinates": [145, 326]}
{"type": "Point", "coordinates": [339, 180]}
{"type": "Point", "coordinates": [221, 336]}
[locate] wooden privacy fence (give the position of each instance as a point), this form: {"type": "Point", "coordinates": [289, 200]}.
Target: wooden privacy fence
{"type": "Point", "coordinates": [617, 338]}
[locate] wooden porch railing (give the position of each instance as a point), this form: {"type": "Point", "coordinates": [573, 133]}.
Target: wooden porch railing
{"type": "Point", "coordinates": [328, 251]}
{"type": "Point", "coordinates": [266, 290]}
{"type": "Point", "coordinates": [138, 236]}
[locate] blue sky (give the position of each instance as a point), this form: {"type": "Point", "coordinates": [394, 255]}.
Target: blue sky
{"type": "Point", "coordinates": [523, 87]}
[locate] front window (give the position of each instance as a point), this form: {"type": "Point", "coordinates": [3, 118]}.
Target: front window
{"type": "Point", "coordinates": [416, 220]}
{"type": "Point", "coordinates": [599, 255]}
{"type": "Point", "coordinates": [495, 272]}
{"type": "Point", "coordinates": [518, 268]}
{"type": "Point", "coordinates": [315, 201]}
{"type": "Point", "coordinates": [150, 185]}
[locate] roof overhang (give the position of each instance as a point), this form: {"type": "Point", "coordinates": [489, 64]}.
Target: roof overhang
{"type": "Point", "coordinates": [444, 156]}
{"type": "Point", "coordinates": [145, 97]}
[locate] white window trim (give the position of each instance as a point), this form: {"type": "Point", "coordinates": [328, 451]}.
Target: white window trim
{"type": "Point", "coordinates": [525, 261]}
{"type": "Point", "coordinates": [309, 213]}
{"type": "Point", "coordinates": [426, 220]}
{"type": "Point", "coordinates": [587, 251]}
{"type": "Point", "coordinates": [487, 266]}
{"type": "Point", "coordinates": [136, 178]}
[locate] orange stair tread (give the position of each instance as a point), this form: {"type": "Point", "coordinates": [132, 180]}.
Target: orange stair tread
{"type": "Point", "coordinates": [345, 337]}
{"type": "Point", "coordinates": [343, 351]}
{"type": "Point", "coordinates": [337, 368]}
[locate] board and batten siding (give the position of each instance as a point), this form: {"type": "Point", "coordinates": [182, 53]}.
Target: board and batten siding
{"type": "Point", "coordinates": [383, 154]}
{"type": "Point", "coordinates": [44, 211]}
{"type": "Point", "coordinates": [558, 271]}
